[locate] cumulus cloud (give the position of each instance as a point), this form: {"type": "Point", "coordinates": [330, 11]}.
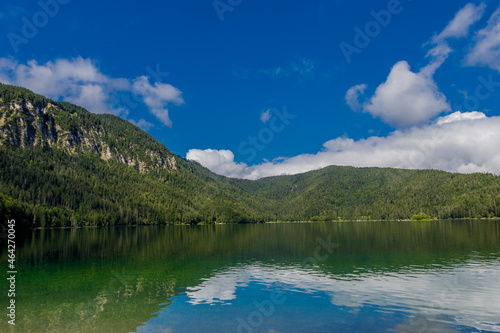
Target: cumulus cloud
{"type": "Point", "coordinates": [80, 81]}
{"type": "Point", "coordinates": [77, 80]}
{"type": "Point", "coordinates": [409, 101]}
{"type": "Point", "coordinates": [409, 98]}
{"type": "Point", "coordinates": [404, 99]}
{"type": "Point", "coordinates": [460, 142]}
{"type": "Point", "coordinates": [218, 161]}
{"type": "Point", "coordinates": [265, 116]}
{"type": "Point", "coordinates": [486, 51]}
{"type": "Point", "coordinates": [352, 96]}
{"type": "Point", "coordinates": [459, 116]}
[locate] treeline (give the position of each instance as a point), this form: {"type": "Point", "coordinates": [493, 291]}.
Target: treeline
{"type": "Point", "coordinates": [45, 187]}
{"type": "Point", "coordinates": [12, 94]}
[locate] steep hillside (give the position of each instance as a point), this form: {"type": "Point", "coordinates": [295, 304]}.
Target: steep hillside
{"type": "Point", "coordinates": [30, 120]}
{"type": "Point", "coordinates": [64, 166]}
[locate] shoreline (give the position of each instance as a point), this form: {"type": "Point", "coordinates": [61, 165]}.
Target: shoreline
{"type": "Point", "coordinates": [269, 222]}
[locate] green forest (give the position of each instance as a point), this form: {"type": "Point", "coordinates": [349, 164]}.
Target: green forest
{"type": "Point", "coordinates": [62, 166]}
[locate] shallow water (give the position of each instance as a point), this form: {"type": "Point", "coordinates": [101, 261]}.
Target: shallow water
{"type": "Point", "coordinates": [327, 277]}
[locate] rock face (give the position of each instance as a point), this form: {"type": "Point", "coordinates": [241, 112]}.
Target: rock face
{"type": "Point", "coordinates": [55, 125]}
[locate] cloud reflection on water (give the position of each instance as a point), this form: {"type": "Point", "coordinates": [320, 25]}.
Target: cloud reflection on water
{"type": "Point", "coordinates": [461, 295]}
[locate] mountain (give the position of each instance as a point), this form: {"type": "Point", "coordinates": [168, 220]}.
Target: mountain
{"type": "Point", "coordinates": [64, 166]}
{"type": "Point", "coordinates": [61, 165]}
{"type": "Point", "coordinates": [336, 193]}
{"type": "Point", "coordinates": [30, 120]}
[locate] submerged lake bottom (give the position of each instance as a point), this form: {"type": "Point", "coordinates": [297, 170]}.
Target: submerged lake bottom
{"type": "Point", "coordinates": [439, 276]}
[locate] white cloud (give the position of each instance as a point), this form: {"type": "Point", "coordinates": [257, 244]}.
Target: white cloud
{"type": "Point", "coordinates": [450, 292]}
{"type": "Point", "coordinates": [460, 25]}
{"type": "Point", "coordinates": [409, 98]}
{"type": "Point", "coordinates": [218, 161]}
{"type": "Point", "coordinates": [80, 81]}
{"type": "Point", "coordinates": [157, 97]}
{"type": "Point", "coordinates": [93, 97]}
{"type": "Point", "coordinates": [457, 28]}
{"type": "Point", "coordinates": [265, 116]}
{"type": "Point", "coordinates": [352, 96]}
{"type": "Point", "coordinates": [77, 80]}
{"type": "Point", "coordinates": [459, 116]}
{"type": "Point", "coordinates": [405, 99]}
{"type": "Point", "coordinates": [460, 142]}
{"type": "Point", "coordinates": [142, 124]}
{"type": "Point", "coordinates": [438, 56]}
{"type": "Point", "coordinates": [486, 51]}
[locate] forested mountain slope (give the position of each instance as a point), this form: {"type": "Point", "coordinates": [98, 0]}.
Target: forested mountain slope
{"type": "Point", "coordinates": [336, 193]}
{"type": "Point", "coordinates": [61, 165]}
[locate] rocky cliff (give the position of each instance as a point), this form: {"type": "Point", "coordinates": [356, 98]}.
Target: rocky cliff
{"type": "Point", "coordinates": [46, 123]}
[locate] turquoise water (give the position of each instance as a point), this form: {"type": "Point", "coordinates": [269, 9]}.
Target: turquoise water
{"type": "Point", "coordinates": [327, 277]}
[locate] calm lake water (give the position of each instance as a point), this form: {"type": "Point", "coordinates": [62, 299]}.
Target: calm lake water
{"type": "Point", "coordinates": [327, 277]}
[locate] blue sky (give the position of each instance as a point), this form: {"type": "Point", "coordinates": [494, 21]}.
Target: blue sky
{"type": "Point", "coordinates": [408, 84]}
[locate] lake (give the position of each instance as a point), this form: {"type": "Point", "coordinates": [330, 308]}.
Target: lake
{"type": "Point", "coordinates": [324, 277]}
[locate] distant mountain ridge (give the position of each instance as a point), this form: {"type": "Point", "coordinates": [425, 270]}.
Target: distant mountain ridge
{"type": "Point", "coordinates": [61, 165]}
